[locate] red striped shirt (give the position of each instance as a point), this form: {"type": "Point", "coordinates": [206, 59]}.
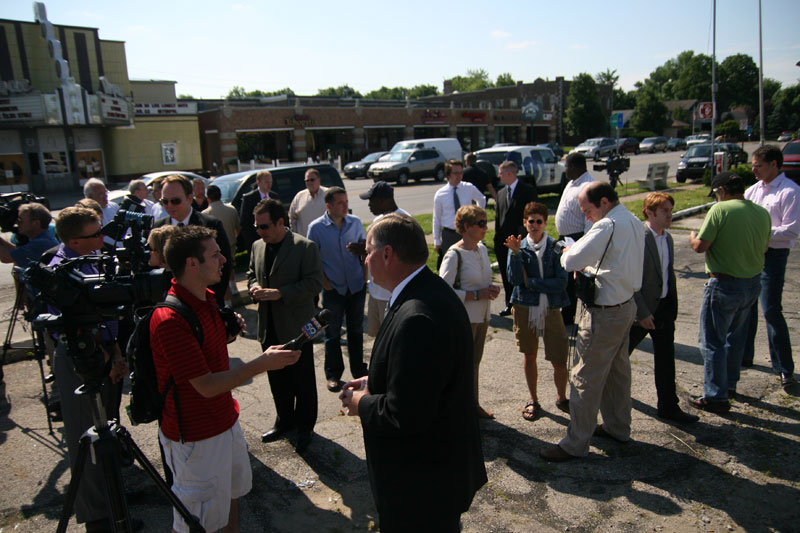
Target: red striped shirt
{"type": "Point", "coordinates": [177, 353]}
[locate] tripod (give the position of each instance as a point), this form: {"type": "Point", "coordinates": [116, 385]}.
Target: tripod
{"type": "Point", "coordinates": [37, 338]}
{"type": "Point", "coordinates": [104, 440]}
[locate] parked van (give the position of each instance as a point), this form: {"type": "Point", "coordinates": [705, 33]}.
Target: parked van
{"type": "Point", "coordinates": [450, 148]}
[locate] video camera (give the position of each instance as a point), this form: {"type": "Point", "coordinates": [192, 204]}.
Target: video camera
{"type": "Point", "coordinates": [9, 208]}
{"type": "Point", "coordinates": [133, 255]}
{"type": "Point", "coordinates": [615, 165]}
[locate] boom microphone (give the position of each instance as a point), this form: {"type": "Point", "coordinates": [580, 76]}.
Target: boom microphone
{"type": "Point", "coordinates": [311, 329]}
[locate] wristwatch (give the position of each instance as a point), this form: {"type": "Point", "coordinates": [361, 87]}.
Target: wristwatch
{"type": "Point", "coordinates": [475, 295]}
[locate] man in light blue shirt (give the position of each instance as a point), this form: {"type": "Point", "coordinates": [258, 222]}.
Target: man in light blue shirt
{"type": "Point", "coordinates": [343, 282]}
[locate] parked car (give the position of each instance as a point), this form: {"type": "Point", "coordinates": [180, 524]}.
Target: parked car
{"type": "Point", "coordinates": [736, 155]}
{"type": "Point", "coordinates": [676, 143]}
{"type": "Point", "coordinates": [358, 169]}
{"type": "Point", "coordinates": [449, 147]}
{"type": "Point", "coordinates": [694, 162]}
{"type": "Point", "coordinates": [785, 136]}
{"type": "Point", "coordinates": [628, 145]}
{"type": "Point", "coordinates": [402, 165]}
{"type": "Point", "coordinates": [791, 161]}
{"type": "Point", "coordinates": [653, 145]}
{"type": "Point", "coordinates": [122, 191]}
{"type": "Point", "coordinates": [554, 146]}
{"type": "Point", "coordinates": [691, 140]}
{"type": "Point", "coordinates": [286, 181]}
{"type": "Point", "coordinates": [536, 164]}
{"type": "Point", "coordinates": [597, 147]}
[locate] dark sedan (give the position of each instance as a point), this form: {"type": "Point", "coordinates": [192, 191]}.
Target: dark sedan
{"type": "Point", "coordinates": [358, 169]}
{"type": "Point", "coordinates": [791, 161]}
{"type": "Point", "coordinates": [628, 145]}
{"type": "Point", "coordinates": [676, 143]}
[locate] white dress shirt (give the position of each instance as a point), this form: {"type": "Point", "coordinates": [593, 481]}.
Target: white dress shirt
{"type": "Point", "coordinates": [781, 198]}
{"type": "Point", "coordinates": [444, 212]}
{"type": "Point", "coordinates": [569, 217]}
{"type": "Point", "coordinates": [375, 290]}
{"type": "Point", "coordinates": [662, 245]}
{"type": "Point", "coordinates": [620, 273]}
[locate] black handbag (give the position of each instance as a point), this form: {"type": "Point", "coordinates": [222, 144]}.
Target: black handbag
{"type": "Point", "coordinates": [585, 286]}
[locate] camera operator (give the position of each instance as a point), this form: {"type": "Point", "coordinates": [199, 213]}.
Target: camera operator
{"type": "Point", "coordinates": [136, 199]}
{"type": "Point", "coordinates": [33, 221]}
{"type": "Point", "coordinates": [203, 442]}
{"type": "Point", "coordinates": [79, 231]}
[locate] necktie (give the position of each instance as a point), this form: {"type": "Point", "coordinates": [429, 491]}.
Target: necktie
{"type": "Point", "coordinates": [456, 201]}
{"type": "Point", "coordinates": [509, 195]}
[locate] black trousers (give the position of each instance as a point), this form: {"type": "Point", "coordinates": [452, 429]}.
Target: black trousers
{"type": "Point", "coordinates": [449, 238]}
{"type": "Point", "coordinates": [663, 356]}
{"type": "Point", "coordinates": [419, 522]}
{"type": "Point", "coordinates": [568, 312]}
{"type": "Point", "coordinates": [501, 252]}
{"type": "Point", "coordinates": [294, 391]}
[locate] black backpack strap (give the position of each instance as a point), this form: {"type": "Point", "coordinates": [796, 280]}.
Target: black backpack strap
{"type": "Point", "coordinates": [180, 307]}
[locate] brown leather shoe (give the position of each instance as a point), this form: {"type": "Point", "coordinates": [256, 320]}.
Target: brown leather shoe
{"type": "Point", "coordinates": [600, 432]}
{"type": "Point", "coordinates": [555, 454]}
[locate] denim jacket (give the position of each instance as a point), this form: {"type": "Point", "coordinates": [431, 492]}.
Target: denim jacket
{"type": "Point", "coordinates": [554, 282]}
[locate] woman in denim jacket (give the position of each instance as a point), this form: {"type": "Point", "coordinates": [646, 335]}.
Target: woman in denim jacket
{"type": "Point", "coordinates": [540, 291]}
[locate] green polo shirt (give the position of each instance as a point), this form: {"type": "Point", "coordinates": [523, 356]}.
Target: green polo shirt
{"type": "Point", "coordinates": [739, 231]}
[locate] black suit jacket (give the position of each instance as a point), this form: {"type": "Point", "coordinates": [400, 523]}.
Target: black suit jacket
{"type": "Point", "coordinates": [248, 235]}
{"type": "Point", "coordinates": [647, 298]}
{"type": "Point", "coordinates": [508, 219]}
{"type": "Point", "coordinates": [420, 426]}
{"type": "Point", "coordinates": [199, 219]}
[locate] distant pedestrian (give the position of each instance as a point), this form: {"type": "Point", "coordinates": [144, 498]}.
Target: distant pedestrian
{"type": "Point", "coordinates": [480, 179]}
{"type": "Point", "coordinates": [308, 204]}
{"type": "Point", "coordinates": [261, 191]}
{"type": "Point", "coordinates": [446, 202]}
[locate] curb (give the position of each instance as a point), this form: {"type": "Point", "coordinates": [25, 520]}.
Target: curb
{"type": "Point", "coordinates": [692, 211]}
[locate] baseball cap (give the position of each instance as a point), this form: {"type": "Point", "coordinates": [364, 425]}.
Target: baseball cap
{"type": "Point", "coordinates": [379, 189]}
{"type": "Point", "coordinates": [722, 179]}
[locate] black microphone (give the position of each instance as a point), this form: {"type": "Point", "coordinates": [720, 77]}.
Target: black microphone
{"type": "Point", "coordinates": [310, 330]}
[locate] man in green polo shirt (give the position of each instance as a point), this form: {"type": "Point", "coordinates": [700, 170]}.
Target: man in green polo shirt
{"type": "Point", "coordinates": [734, 236]}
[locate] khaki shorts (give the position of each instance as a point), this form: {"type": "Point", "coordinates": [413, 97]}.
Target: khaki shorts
{"type": "Point", "coordinates": [207, 475]}
{"type": "Point", "coordinates": [556, 344]}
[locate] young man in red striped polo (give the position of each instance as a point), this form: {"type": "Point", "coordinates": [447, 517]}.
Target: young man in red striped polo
{"type": "Point", "coordinates": [203, 443]}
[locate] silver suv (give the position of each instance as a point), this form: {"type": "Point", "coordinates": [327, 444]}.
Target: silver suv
{"type": "Point", "coordinates": [597, 148]}
{"type": "Point", "coordinates": [402, 165]}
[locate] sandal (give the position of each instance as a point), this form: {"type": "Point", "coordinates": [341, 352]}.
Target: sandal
{"type": "Point", "coordinates": [532, 411]}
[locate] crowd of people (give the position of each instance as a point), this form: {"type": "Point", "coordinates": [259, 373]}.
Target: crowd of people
{"type": "Point", "coordinates": [418, 398]}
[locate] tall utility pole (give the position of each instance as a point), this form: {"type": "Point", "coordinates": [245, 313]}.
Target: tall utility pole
{"type": "Point", "coordinates": [713, 83]}
{"type": "Point", "coordinates": [760, 79]}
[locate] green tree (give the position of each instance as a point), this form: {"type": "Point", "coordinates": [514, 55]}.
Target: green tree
{"type": "Point", "coordinates": [728, 129]}
{"type": "Point", "coordinates": [418, 91]}
{"type": "Point", "coordinates": [607, 77]}
{"type": "Point", "coordinates": [342, 91]}
{"type": "Point", "coordinates": [785, 114]}
{"type": "Point", "coordinates": [475, 80]}
{"type": "Point", "coordinates": [624, 100]}
{"type": "Point", "coordinates": [505, 80]}
{"type": "Point", "coordinates": [584, 115]}
{"type": "Point", "coordinates": [738, 82]}
{"type": "Point", "coordinates": [650, 112]}
{"type": "Point", "coordinates": [386, 93]}
{"type": "Point", "coordinates": [236, 93]}
{"type": "Point", "coordinates": [240, 92]}
{"type": "Point", "coordinates": [185, 97]}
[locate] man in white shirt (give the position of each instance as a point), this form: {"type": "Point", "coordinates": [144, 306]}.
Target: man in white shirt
{"type": "Point", "coordinates": [570, 221]}
{"type": "Point", "coordinates": [308, 205]}
{"type": "Point", "coordinates": [780, 196]}
{"type": "Point", "coordinates": [446, 202]}
{"type": "Point", "coordinates": [96, 190]}
{"type": "Point", "coordinates": [601, 377]}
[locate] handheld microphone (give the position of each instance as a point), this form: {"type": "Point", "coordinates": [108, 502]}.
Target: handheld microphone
{"type": "Point", "coordinates": [310, 330]}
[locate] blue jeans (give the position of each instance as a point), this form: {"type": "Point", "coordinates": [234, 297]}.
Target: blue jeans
{"type": "Point", "coordinates": [780, 346]}
{"type": "Point", "coordinates": [349, 308]}
{"type": "Point", "coordinates": [723, 329]}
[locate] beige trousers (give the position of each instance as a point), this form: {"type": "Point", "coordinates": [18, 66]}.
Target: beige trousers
{"type": "Point", "coordinates": [601, 377]}
{"type": "Point", "coordinates": [479, 330]}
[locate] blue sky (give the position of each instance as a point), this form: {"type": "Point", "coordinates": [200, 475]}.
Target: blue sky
{"type": "Point", "coordinates": [208, 47]}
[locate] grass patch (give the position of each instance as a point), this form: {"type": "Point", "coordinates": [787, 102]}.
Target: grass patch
{"type": "Point", "coordinates": [683, 200]}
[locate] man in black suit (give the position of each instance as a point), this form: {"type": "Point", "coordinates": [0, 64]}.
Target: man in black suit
{"type": "Point", "coordinates": [262, 191]}
{"type": "Point", "coordinates": [176, 197]}
{"type": "Point", "coordinates": [657, 304]}
{"type": "Point", "coordinates": [284, 276]}
{"type": "Point", "coordinates": [511, 201]}
{"type": "Point", "coordinates": [416, 405]}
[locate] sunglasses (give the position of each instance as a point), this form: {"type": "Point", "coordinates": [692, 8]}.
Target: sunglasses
{"type": "Point", "coordinates": [262, 227]}
{"type": "Point", "coordinates": [92, 236]}
{"type": "Point", "coordinates": [481, 223]}
{"type": "Point", "coordinates": [311, 179]}
{"type": "Point", "coordinates": [535, 221]}
{"type": "Point", "coordinates": [173, 201]}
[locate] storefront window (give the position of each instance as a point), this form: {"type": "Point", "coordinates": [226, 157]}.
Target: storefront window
{"type": "Point", "coordinates": [89, 163]}
{"type": "Point", "coordinates": [471, 137]}
{"type": "Point", "coordinates": [381, 139]}
{"type": "Point", "coordinates": [12, 169]}
{"type": "Point", "coordinates": [265, 146]}
{"type": "Point", "coordinates": [506, 134]}
{"type": "Point", "coordinates": [55, 162]}
{"type": "Point", "coordinates": [429, 132]}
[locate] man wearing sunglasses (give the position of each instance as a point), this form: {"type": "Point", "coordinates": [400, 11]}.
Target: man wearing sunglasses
{"type": "Point", "coordinates": [79, 231]}
{"type": "Point", "coordinates": [309, 204]}
{"type": "Point", "coordinates": [176, 197]}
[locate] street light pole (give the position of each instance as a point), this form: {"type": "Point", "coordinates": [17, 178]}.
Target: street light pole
{"type": "Point", "coordinates": [760, 79]}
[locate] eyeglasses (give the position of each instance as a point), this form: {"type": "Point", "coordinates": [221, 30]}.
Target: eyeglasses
{"type": "Point", "coordinates": [262, 227]}
{"type": "Point", "coordinates": [481, 223]}
{"type": "Point", "coordinates": [92, 236]}
{"type": "Point", "coordinates": [536, 221]}
{"type": "Point", "coordinates": [173, 201]}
